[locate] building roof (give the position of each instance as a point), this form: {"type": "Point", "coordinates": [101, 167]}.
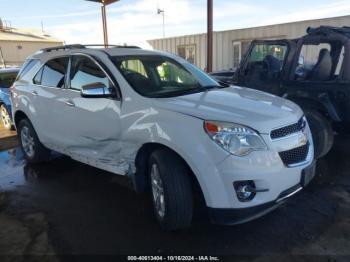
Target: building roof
{"type": "Point", "coordinates": [29, 35]}
{"type": "Point", "coordinates": [322, 20]}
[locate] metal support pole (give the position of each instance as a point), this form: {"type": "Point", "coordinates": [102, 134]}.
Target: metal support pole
{"type": "Point", "coordinates": [2, 58]}
{"type": "Point", "coordinates": [163, 25]}
{"type": "Point", "coordinates": [210, 36]}
{"type": "Point", "coordinates": [104, 23]}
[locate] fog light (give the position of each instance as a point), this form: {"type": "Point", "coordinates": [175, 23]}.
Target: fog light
{"type": "Point", "coordinates": [245, 190]}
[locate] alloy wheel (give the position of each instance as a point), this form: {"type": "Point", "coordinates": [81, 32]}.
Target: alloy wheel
{"type": "Point", "coordinates": [157, 191]}
{"type": "Point", "coordinates": [28, 143]}
{"type": "Point", "coordinates": [5, 117]}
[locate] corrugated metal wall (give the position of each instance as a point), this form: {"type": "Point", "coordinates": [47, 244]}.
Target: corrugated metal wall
{"type": "Point", "coordinates": [223, 40]}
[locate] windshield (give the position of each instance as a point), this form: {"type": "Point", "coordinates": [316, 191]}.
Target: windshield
{"type": "Point", "coordinates": [161, 76]}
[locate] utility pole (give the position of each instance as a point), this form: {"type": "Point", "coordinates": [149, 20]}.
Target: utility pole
{"type": "Point", "coordinates": [160, 11]}
{"type": "Point", "coordinates": [210, 36]}
{"type": "Point", "coordinates": [104, 24]}
{"type": "Point", "coordinates": [2, 58]}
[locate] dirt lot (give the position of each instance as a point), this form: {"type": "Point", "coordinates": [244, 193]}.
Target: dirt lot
{"type": "Point", "coordinates": [64, 207]}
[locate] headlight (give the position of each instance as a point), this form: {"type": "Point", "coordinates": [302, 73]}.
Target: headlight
{"type": "Point", "coordinates": [236, 139]}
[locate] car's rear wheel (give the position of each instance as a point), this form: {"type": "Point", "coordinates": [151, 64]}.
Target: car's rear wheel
{"type": "Point", "coordinates": [34, 151]}
{"type": "Point", "coordinates": [171, 188]}
{"type": "Point", "coordinates": [5, 117]}
{"type": "Point", "coordinates": [322, 132]}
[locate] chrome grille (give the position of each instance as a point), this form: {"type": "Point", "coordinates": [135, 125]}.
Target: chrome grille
{"type": "Point", "coordinates": [288, 130]}
{"type": "Point", "coordinates": [295, 155]}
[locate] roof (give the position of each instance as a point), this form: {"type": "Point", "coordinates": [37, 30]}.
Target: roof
{"type": "Point", "coordinates": [29, 35]}
{"type": "Point", "coordinates": [321, 20]}
{"type": "Point", "coordinates": [326, 30]}
{"type": "Point", "coordinates": [106, 2]}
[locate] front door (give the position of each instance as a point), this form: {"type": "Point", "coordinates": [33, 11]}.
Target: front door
{"type": "Point", "coordinates": [92, 125]}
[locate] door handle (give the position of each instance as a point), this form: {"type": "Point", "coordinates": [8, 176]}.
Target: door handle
{"type": "Point", "coordinates": [69, 103]}
{"type": "Point", "coordinates": [34, 93]}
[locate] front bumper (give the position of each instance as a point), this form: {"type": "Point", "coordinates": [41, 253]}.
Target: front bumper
{"type": "Point", "coordinates": [234, 216]}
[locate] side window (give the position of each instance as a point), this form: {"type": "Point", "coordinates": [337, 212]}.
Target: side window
{"type": "Point", "coordinates": [310, 54]}
{"type": "Point", "coordinates": [37, 78]}
{"type": "Point", "coordinates": [28, 64]}
{"type": "Point", "coordinates": [52, 73]}
{"type": "Point", "coordinates": [340, 62]}
{"type": "Point", "coordinates": [84, 72]}
{"type": "Point", "coordinates": [7, 79]}
{"type": "Point", "coordinates": [315, 63]}
{"type": "Point", "coordinates": [274, 55]}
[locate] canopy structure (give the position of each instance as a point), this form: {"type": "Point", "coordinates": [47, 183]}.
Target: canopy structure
{"type": "Point", "coordinates": [104, 17]}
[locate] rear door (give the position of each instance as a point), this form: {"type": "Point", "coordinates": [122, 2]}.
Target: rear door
{"type": "Point", "coordinates": [262, 67]}
{"type": "Point", "coordinates": [47, 97]}
{"type": "Point", "coordinates": [91, 126]}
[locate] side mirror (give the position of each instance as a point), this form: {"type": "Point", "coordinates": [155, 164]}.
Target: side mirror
{"type": "Point", "coordinates": [96, 90]}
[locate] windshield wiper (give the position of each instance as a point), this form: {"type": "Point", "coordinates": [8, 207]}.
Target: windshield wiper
{"type": "Point", "coordinates": [210, 87]}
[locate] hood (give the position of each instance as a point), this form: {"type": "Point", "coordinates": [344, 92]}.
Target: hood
{"type": "Point", "coordinates": [258, 110]}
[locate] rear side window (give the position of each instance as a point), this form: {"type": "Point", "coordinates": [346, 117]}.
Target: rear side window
{"type": "Point", "coordinates": [84, 71]}
{"type": "Point", "coordinates": [26, 67]}
{"type": "Point", "coordinates": [53, 73]}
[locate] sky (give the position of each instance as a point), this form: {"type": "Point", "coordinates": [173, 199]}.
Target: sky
{"type": "Point", "coordinates": [135, 21]}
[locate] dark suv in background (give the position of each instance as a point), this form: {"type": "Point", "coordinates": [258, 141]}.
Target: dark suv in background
{"type": "Point", "coordinates": [313, 71]}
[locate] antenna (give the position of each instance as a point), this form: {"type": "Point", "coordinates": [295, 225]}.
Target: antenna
{"type": "Point", "coordinates": [42, 26]}
{"type": "Point", "coordinates": [162, 11]}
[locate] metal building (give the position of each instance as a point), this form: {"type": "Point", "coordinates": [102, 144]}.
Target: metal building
{"type": "Point", "coordinates": [229, 46]}
{"type": "Point", "coordinates": [17, 44]}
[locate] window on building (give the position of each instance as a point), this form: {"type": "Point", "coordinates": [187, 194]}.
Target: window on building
{"type": "Point", "coordinates": [187, 52]}
{"type": "Point", "coordinates": [84, 72]}
{"type": "Point", "coordinates": [237, 54]}
{"type": "Point", "coordinates": [52, 73]}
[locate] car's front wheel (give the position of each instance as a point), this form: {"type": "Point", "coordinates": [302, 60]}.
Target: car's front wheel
{"type": "Point", "coordinates": [171, 190]}
{"type": "Point", "coordinates": [34, 151]}
{"type": "Point", "coordinates": [5, 117]}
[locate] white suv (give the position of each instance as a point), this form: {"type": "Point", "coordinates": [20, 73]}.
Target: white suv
{"type": "Point", "coordinates": [168, 126]}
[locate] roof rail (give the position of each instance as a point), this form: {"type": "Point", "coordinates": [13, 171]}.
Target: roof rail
{"type": "Point", "coordinates": [113, 46]}
{"type": "Point", "coordinates": [62, 47]}
{"type": "Point", "coordinates": [79, 46]}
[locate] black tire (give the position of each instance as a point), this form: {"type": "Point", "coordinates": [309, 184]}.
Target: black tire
{"type": "Point", "coordinates": [6, 118]}
{"type": "Point", "coordinates": [40, 152]}
{"type": "Point", "coordinates": [178, 195]}
{"type": "Point", "coordinates": [322, 132]}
